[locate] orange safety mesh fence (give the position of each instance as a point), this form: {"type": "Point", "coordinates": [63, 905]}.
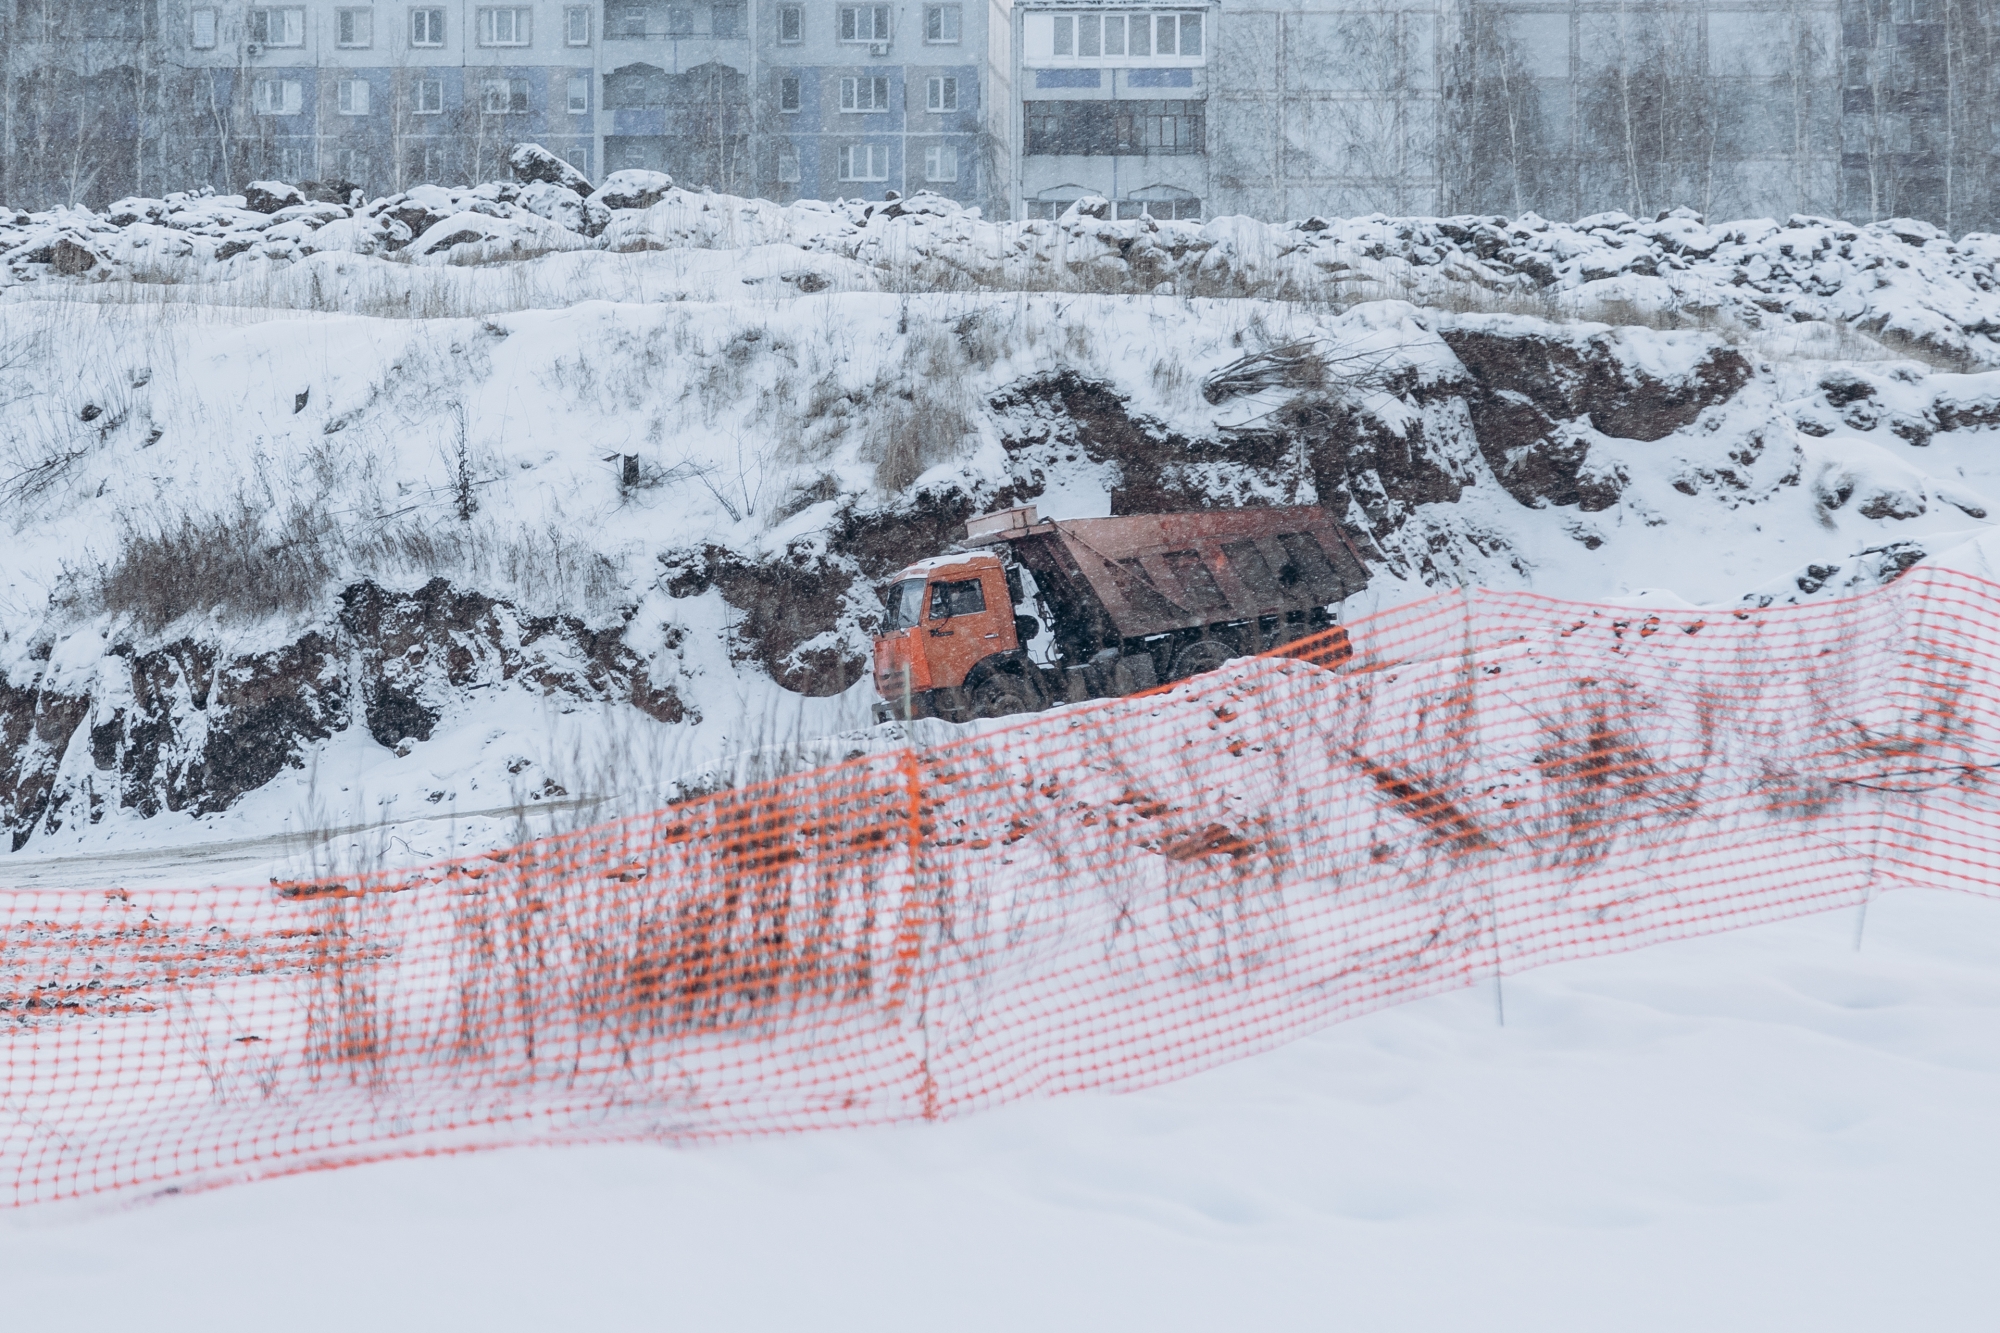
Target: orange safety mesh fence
{"type": "Point", "coordinates": [1101, 896]}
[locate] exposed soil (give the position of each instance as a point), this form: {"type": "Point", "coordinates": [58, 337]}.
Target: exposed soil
{"type": "Point", "coordinates": [1534, 400]}
{"type": "Point", "coordinates": [180, 727]}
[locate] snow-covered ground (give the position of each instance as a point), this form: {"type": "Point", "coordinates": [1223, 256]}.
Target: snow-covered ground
{"type": "Point", "coordinates": [1764, 1130]}
{"type": "Point", "coordinates": [622, 428]}
{"type": "Point", "coordinates": [1902, 278]}
{"type": "Point", "coordinates": [762, 437]}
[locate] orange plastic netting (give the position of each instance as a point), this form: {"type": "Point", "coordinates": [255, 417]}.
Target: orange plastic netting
{"type": "Point", "coordinates": [1102, 896]}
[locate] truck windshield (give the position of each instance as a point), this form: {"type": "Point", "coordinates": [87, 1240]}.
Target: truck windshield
{"type": "Point", "coordinates": [906, 604]}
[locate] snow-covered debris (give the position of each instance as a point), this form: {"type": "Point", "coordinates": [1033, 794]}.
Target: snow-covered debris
{"type": "Point", "coordinates": [1902, 282]}
{"type": "Point", "coordinates": [534, 164]}
{"type": "Point", "coordinates": [565, 207]}
{"type": "Point", "coordinates": [270, 196]}
{"type": "Point", "coordinates": [491, 237]}
{"type": "Point", "coordinates": [633, 188]}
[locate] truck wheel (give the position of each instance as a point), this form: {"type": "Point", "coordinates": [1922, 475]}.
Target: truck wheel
{"type": "Point", "coordinates": [1204, 655]}
{"type": "Point", "coordinates": [1002, 696]}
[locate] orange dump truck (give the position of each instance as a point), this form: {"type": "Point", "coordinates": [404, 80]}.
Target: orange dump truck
{"type": "Point", "coordinates": [1125, 604]}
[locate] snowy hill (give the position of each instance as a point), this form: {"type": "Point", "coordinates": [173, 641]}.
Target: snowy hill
{"type": "Point", "coordinates": [315, 521]}
{"type": "Point", "coordinates": [349, 535]}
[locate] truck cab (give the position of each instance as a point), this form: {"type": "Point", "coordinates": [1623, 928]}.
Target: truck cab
{"type": "Point", "coordinates": [951, 645]}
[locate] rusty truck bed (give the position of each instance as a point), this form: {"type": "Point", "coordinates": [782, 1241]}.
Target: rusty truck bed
{"type": "Point", "coordinates": [1157, 573]}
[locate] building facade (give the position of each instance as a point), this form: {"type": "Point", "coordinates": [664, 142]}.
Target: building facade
{"type": "Point", "coordinates": [1864, 109]}
{"type": "Point", "coordinates": [1114, 103]}
{"type": "Point", "coordinates": [1273, 108]}
{"type": "Point", "coordinates": [855, 100]}
{"type": "Point", "coordinates": [808, 99]}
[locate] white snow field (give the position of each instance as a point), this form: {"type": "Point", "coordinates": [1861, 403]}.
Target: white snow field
{"type": "Point", "coordinates": [1762, 1130]}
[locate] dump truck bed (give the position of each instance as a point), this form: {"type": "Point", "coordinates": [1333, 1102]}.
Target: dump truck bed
{"type": "Point", "coordinates": [1157, 573]}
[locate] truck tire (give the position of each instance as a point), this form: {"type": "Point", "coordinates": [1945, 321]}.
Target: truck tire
{"type": "Point", "coordinates": [1002, 696]}
{"type": "Point", "coordinates": [1202, 655]}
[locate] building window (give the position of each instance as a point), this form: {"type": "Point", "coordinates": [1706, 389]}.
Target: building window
{"type": "Point", "coordinates": [353, 164]}
{"type": "Point", "coordinates": [633, 87]}
{"type": "Point", "coordinates": [864, 162]}
{"type": "Point", "coordinates": [1186, 209]}
{"type": "Point", "coordinates": [1041, 128]}
{"type": "Point", "coordinates": [427, 97]}
{"type": "Point", "coordinates": [680, 22]}
{"type": "Point", "coordinates": [505, 27]}
{"type": "Point", "coordinates": [354, 28]}
{"type": "Point", "coordinates": [643, 152]}
{"type": "Point", "coordinates": [631, 21]}
{"type": "Point", "coordinates": [941, 94]}
{"type": "Point", "coordinates": [941, 23]}
{"type": "Point", "coordinates": [867, 93]}
{"type": "Point", "coordinates": [791, 23]}
{"type": "Point", "coordinates": [277, 27]}
{"type": "Point", "coordinates": [500, 97]}
{"type": "Point", "coordinates": [579, 94]}
{"type": "Point", "coordinates": [428, 161]}
{"type": "Point", "coordinates": [427, 27]}
{"type": "Point", "coordinates": [788, 162]}
{"type": "Point", "coordinates": [1190, 34]}
{"type": "Point", "coordinates": [941, 163]}
{"type": "Point", "coordinates": [726, 21]}
{"type": "Point", "coordinates": [1159, 127]}
{"type": "Point", "coordinates": [788, 93]}
{"type": "Point", "coordinates": [1121, 39]}
{"type": "Point", "coordinates": [864, 23]}
{"type": "Point", "coordinates": [277, 97]}
{"type": "Point", "coordinates": [201, 30]}
{"type": "Point", "coordinates": [353, 95]}
{"type": "Point", "coordinates": [576, 26]}
{"type": "Point", "coordinates": [1106, 128]}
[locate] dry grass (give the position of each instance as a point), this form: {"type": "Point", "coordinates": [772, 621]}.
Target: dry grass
{"type": "Point", "coordinates": [231, 559]}
{"type": "Point", "coordinates": [920, 411]}
{"type": "Point", "coordinates": [247, 561]}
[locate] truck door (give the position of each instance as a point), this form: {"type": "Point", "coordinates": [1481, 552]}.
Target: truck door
{"type": "Point", "coordinates": [899, 653]}
{"type": "Point", "coordinates": [966, 621]}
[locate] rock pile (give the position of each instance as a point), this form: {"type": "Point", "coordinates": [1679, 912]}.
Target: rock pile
{"type": "Point", "coordinates": [1903, 282]}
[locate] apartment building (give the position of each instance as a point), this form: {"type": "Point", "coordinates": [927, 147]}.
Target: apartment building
{"type": "Point", "coordinates": [857, 99]}
{"type": "Point", "coordinates": [675, 82]}
{"type": "Point", "coordinates": [785, 100]}
{"type": "Point", "coordinates": [384, 96]}
{"type": "Point", "coordinates": [1272, 108]}
{"type": "Point", "coordinates": [1114, 103]}
{"type": "Point", "coordinates": [1288, 108]}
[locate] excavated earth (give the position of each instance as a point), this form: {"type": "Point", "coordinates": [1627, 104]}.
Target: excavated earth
{"type": "Point", "coordinates": [184, 727]}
